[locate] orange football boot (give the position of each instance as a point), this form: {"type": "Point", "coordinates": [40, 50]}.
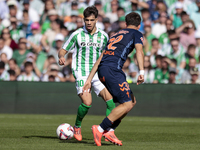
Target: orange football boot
{"type": "Point", "coordinates": [97, 135]}
{"type": "Point", "coordinates": [77, 133]}
{"type": "Point", "coordinates": [110, 136]}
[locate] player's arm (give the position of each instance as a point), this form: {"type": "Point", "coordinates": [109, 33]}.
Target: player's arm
{"type": "Point", "coordinates": [68, 46]}
{"type": "Point", "coordinates": [87, 85]}
{"type": "Point", "coordinates": [140, 59]}
{"type": "Point", "coordinates": [61, 55]}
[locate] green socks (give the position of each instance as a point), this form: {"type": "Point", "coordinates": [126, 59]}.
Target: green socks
{"type": "Point", "coordinates": [82, 111]}
{"type": "Point", "coordinates": [110, 106]}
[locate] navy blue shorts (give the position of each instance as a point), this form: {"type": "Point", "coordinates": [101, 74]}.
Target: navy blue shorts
{"type": "Point", "coordinates": [115, 81]}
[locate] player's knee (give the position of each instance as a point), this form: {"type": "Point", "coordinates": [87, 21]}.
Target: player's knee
{"type": "Point", "coordinates": [86, 99]}
{"type": "Point", "coordinates": [87, 103]}
{"type": "Point", "coordinates": [128, 106]}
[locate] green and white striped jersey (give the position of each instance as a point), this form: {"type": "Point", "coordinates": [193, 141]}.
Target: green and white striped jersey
{"type": "Point", "coordinates": [86, 49]}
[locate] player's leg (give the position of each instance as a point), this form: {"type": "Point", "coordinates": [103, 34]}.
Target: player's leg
{"type": "Point", "coordinates": [115, 116]}
{"type": "Point", "coordinates": [101, 91]}
{"type": "Point", "coordinates": [118, 121]}
{"type": "Point", "coordinates": [83, 108]}
{"type": "Point", "coordinates": [121, 92]}
{"type": "Point", "coordinates": [105, 94]}
{"type": "Point", "coordinates": [82, 111]}
{"type": "Point", "coordinates": [121, 110]}
{"type": "Point", "coordinates": [107, 97]}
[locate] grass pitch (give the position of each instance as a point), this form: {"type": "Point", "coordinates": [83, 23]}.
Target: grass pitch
{"type": "Point", "coordinates": [38, 132]}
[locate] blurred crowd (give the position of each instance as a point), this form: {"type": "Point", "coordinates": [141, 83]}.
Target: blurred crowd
{"type": "Point", "coordinates": [33, 31]}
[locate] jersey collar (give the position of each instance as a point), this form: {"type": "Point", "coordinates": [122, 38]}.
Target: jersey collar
{"type": "Point", "coordinates": [85, 30]}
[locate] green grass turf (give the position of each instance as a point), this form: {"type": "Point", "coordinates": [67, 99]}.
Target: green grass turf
{"type": "Point", "coordinates": [38, 132]}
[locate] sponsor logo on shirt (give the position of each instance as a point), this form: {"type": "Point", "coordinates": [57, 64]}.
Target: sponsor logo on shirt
{"type": "Point", "coordinates": [83, 44]}
{"type": "Point", "coordinates": [109, 53]}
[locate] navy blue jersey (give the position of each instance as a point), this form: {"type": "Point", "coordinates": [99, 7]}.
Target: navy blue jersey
{"type": "Point", "coordinates": [119, 46]}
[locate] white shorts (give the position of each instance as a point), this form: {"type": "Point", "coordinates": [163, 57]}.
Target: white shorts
{"type": "Point", "coordinates": [97, 86]}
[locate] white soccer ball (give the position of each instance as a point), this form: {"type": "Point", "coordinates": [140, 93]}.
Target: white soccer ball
{"type": "Point", "coordinates": [65, 131]}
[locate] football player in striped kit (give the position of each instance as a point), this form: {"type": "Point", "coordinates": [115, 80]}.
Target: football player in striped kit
{"type": "Point", "coordinates": [86, 44]}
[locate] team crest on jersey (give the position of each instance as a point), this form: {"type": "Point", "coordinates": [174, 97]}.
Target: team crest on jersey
{"type": "Point", "coordinates": [99, 39]}
{"type": "Point", "coordinates": [142, 39]}
{"type": "Point", "coordinates": [82, 38]}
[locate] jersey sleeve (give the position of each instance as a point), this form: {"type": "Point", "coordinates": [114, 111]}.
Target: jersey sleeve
{"type": "Point", "coordinates": [139, 38]}
{"type": "Point", "coordinates": [70, 43]}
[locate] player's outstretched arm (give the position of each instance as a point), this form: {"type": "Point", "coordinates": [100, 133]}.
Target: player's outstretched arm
{"type": "Point", "coordinates": [140, 59]}
{"type": "Point", "coordinates": [87, 85]}
{"type": "Point", "coordinates": [61, 55]}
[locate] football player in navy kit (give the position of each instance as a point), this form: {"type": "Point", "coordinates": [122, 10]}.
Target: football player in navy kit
{"type": "Point", "coordinates": [109, 66]}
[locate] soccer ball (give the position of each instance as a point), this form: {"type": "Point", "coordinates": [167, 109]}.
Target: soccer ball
{"type": "Point", "coordinates": [65, 131]}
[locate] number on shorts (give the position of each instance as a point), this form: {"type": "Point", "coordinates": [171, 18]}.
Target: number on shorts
{"type": "Point", "coordinates": [80, 83]}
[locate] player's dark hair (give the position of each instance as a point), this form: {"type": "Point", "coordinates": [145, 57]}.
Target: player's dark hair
{"type": "Point", "coordinates": [133, 19]}
{"type": "Point", "coordinates": [11, 72]}
{"type": "Point", "coordinates": [91, 10]}
{"type": "Point", "coordinates": [2, 65]}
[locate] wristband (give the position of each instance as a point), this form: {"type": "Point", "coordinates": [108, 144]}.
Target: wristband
{"type": "Point", "coordinates": [141, 72]}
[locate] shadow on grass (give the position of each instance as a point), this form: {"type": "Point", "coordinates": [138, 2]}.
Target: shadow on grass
{"type": "Point", "coordinates": [73, 140]}
{"type": "Point", "coordinates": [85, 141]}
{"type": "Point", "coordinates": [38, 136]}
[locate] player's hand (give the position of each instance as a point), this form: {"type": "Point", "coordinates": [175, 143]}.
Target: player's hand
{"type": "Point", "coordinates": [62, 61]}
{"type": "Point", "coordinates": [140, 79]}
{"type": "Point", "coordinates": [87, 87]}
